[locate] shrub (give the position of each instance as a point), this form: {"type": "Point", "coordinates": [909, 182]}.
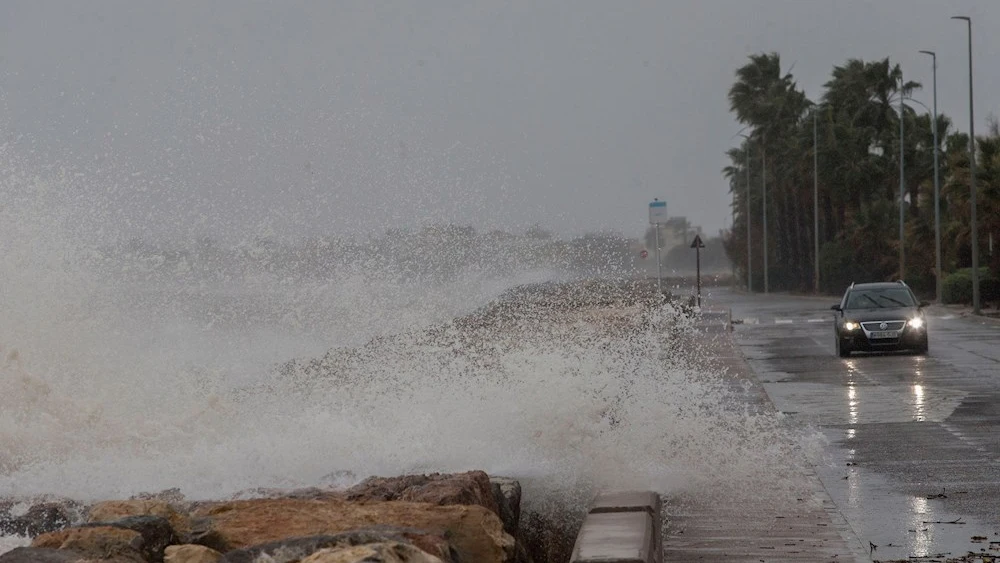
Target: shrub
{"type": "Point", "coordinates": [957, 287]}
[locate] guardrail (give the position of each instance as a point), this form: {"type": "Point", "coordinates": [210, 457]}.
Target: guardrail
{"type": "Point", "coordinates": [621, 527]}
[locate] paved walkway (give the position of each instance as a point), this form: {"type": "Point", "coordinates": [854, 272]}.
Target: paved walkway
{"type": "Point", "coordinates": [803, 526]}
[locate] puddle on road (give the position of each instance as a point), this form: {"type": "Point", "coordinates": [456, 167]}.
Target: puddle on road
{"type": "Point", "coordinates": [854, 403]}
{"type": "Point", "coordinates": [902, 526]}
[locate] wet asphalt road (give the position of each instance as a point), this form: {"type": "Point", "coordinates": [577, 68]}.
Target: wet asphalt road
{"type": "Point", "coordinates": [913, 460]}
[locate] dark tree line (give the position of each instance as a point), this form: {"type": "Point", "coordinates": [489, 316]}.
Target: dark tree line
{"type": "Point", "coordinates": [857, 151]}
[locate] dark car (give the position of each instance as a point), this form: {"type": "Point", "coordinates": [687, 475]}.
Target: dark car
{"type": "Point", "coordinates": [880, 316]}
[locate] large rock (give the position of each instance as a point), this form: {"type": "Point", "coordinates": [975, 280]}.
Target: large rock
{"type": "Point", "coordinates": [388, 552]}
{"type": "Point", "coordinates": [507, 495]}
{"type": "Point", "coordinates": [156, 532]}
{"type": "Point", "coordinates": [475, 532]}
{"type": "Point", "coordinates": [95, 542]}
{"type": "Point", "coordinates": [293, 549]}
{"type": "Point", "coordinates": [39, 555]}
{"type": "Point", "coordinates": [115, 510]}
{"type": "Point", "coordinates": [189, 553]}
{"type": "Point", "coordinates": [471, 488]}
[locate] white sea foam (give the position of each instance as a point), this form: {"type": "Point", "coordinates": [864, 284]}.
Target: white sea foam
{"type": "Point", "coordinates": [120, 379]}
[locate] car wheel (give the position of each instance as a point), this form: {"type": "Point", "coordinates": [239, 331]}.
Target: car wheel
{"type": "Point", "coordinates": [843, 350]}
{"type": "Point", "coordinates": [922, 347]}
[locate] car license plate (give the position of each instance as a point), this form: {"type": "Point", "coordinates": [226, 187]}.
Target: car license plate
{"type": "Point", "coordinates": [885, 334]}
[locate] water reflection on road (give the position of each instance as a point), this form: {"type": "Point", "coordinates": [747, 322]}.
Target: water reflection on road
{"type": "Point", "coordinates": [913, 462]}
{"type": "Point", "coordinates": [918, 401]}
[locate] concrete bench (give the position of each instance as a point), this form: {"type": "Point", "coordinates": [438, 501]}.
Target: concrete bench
{"type": "Point", "coordinates": [621, 527]}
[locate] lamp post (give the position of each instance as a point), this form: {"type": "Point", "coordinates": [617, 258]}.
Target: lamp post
{"type": "Point", "coordinates": [749, 247]}
{"type": "Point", "coordinates": [937, 187]}
{"type": "Point", "coordinates": [972, 180]}
{"type": "Point", "coordinates": [749, 254]}
{"type": "Point", "coordinates": [763, 188]}
{"type": "Point", "coordinates": [902, 186]}
{"type": "Point", "coordinates": [815, 206]}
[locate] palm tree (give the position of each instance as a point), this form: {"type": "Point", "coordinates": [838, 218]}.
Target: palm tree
{"type": "Point", "coordinates": [858, 156]}
{"type": "Point", "coordinates": [769, 102]}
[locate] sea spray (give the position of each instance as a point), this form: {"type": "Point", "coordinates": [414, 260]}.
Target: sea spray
{"type": "Point", "coordinates": [133, 367]}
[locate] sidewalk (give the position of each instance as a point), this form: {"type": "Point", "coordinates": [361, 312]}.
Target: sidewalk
{"type": "Point", "coordinates": [804, 526]}
{"type": "Point", "coordinates": [965, 311]}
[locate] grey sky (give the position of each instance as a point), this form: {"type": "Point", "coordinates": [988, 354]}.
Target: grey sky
{"type": "Point", "coordinates": [348, 117]}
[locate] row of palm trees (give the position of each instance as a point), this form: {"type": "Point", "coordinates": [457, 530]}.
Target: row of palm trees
{"type": "Point", "coordinates": [856, 152]}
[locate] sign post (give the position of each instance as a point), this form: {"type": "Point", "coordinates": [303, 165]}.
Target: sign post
{"type": "Point", "coordinates": [697, 245]}
{"type": "Point", "coordinates": [657, 216]}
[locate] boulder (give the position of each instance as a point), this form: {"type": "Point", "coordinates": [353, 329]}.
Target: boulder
{"type": "Point", "coordinates": [475, 532]}
{"type": "Point", "coordinates": [95, 542]}
{"type": "Point", "coordinates": [114, 510]}
{"type": "Point", "coordinates": [507, 495]}
{"type": "Point", "coordinates": [388, 552]}
{"type": "Point", "coordinates": [470, 488]}
{"type": "Point", "coordinates": [292, 549]}
{"type": "Point", "coordinates": [156, 532]}
{"type": "Point", "coordinates": [39, 555]}
{"type": "Point", "coordinates": [189, 553]}
{"type": "Point", "coordinates": [202, 533]}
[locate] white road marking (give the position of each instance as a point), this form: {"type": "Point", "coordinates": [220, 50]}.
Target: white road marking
{"type": "Point", "coordinates": [782, 321]}
{"type": "Point", "coordinates": [817, 320]}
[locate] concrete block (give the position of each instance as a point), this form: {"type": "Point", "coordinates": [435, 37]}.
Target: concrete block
{"type": "Point", "coordinates": [621, 527]}
{"type": "Point", "coordinates": [616, 537]}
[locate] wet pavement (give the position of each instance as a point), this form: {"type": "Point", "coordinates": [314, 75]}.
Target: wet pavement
{"type": "Point", "coordinates": [912, 465]}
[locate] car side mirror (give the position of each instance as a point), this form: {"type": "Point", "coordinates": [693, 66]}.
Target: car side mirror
{"type": "Point", "coordinates": [835, 308]}
{"type": "Point", "coordinates": [924, 303]}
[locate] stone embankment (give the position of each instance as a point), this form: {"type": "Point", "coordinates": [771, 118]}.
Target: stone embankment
{"type": "Point", "coordinates": [438, 518]}
{"type": "Point", "coordinates": [454, 518]}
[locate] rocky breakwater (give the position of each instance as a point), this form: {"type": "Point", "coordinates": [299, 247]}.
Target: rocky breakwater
{"type": "Point", "coordinates": [438, 518]}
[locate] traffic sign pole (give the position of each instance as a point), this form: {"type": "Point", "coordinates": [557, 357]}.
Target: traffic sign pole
{"type": "Point", "coordinates": [659, 273]}
{"type": "Point", "coordinates": [658, 215]}
{"type": "Point", "coordinates": [697, 245]}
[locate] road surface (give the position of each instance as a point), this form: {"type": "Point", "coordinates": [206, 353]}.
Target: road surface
{"type": "Point", "coordinates": [913, 459]}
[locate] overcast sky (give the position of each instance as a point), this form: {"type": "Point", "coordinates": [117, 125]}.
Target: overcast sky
{"type": "Point", "coordinates": [353, 117]}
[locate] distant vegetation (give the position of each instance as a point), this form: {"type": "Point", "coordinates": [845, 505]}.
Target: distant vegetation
{"type": "Point", "coordinates": [433, 252]}
{"type": "Point", "coordinates": [858, 155]}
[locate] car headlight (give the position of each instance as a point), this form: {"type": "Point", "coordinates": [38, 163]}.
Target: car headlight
{"type": "Point", "coordinates": [916, 322]}
{"type": "Point", "coordinates": [850, 325]}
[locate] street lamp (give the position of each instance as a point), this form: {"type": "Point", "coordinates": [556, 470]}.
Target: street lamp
{"type": "Point", "coordinates": [763, 189]}
{"type": "Point", "coordinates": [749, 257]}
{"type": "Point", "coordinates": [937, 187]}
{"type": "Point", "coordinates": [902, 184]}
{"type": "Point", "coordinates": [815, 205]}
{"type": "Point", "coordinates": [972, 180]}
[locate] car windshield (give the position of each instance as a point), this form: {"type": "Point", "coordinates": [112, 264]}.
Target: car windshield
{"type": "Point", "coordinates": [873, 298]}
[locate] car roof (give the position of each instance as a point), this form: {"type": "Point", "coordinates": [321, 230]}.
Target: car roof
{"type": "Point", "coordinates": [877, 285]}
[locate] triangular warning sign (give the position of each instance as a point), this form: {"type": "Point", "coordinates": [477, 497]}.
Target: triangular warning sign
{"type": "Point", "coordinates": [696, 243]}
